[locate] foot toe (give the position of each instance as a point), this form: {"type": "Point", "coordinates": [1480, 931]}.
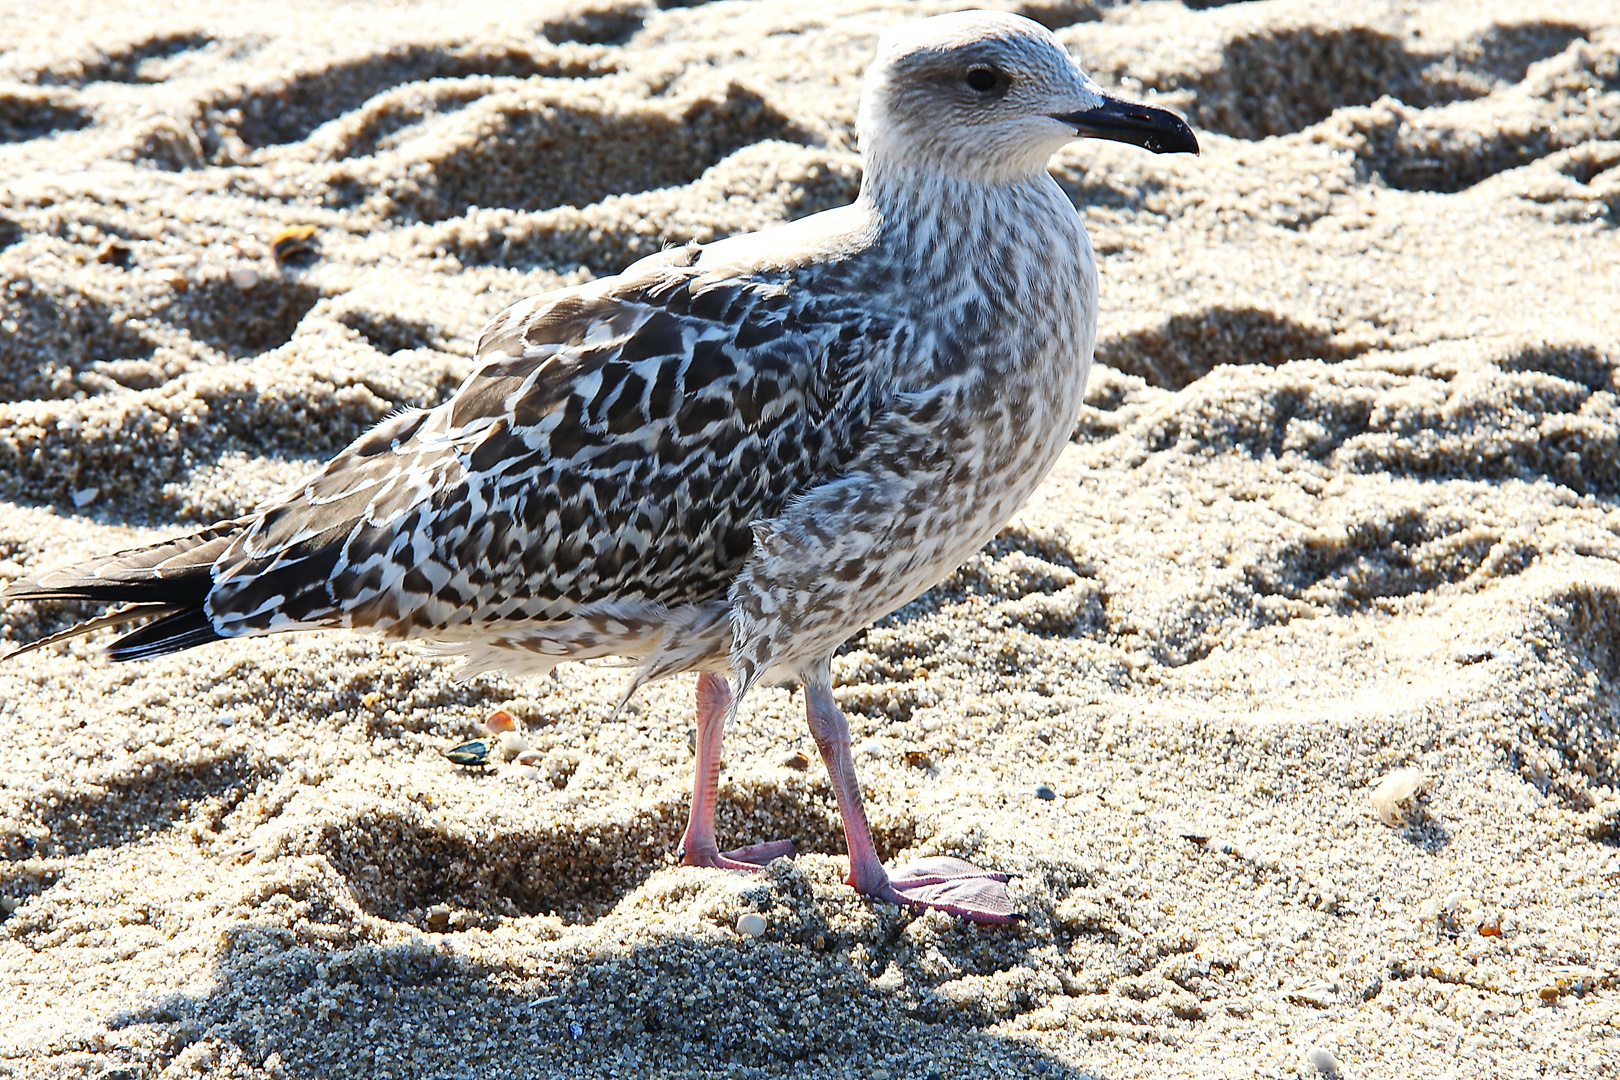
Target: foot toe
{"type": "Point", "coordinates": [760, 854]}
{"type": "Point", "coordinates": [938, 868]}
{"type": "Point", "coordinates": [752, 857]}
{"type": "Point", "coordinates": [955, 887]}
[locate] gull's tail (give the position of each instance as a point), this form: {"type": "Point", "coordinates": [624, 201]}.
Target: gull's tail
{"type": "Point", "coordinates": [166, 582]}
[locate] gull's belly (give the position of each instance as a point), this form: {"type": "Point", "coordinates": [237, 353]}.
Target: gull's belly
{"type": "Point", "coordinates": [954, 520]}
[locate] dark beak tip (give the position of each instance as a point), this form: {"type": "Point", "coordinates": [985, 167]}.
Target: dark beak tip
{"type": "Point", "coordinates": [1175, 136]}
{"type": "Point", "coordinates": [1157, 130]}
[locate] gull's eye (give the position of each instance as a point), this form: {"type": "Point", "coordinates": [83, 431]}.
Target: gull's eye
{"type": "Point", "coordinates": [985, 79]}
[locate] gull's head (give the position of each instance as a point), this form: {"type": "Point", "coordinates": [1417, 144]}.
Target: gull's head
{"type": "Point", "coordinates": [990, 96]}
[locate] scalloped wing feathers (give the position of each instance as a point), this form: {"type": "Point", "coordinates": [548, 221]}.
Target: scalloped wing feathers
{"type": "Point", "coordinates": [617, 445]}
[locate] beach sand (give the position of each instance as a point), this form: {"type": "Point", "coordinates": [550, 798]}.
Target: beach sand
{"type": "Point", "coordinates": [1290, 699]}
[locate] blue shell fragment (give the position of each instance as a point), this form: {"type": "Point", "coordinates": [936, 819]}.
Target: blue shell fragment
{"type": "Point", "coordinates": [475, 752]}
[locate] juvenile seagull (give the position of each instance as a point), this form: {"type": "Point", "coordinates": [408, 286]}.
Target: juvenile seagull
{"type": "Point", "coordinates": [729, 458]}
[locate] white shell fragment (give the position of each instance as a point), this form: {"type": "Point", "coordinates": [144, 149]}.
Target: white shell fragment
{"type": "Point", "coordinates": [1394, 794]}
{"type": "Point", "coordinates": [1323, 1060]}
{"type": "Point", "coordinates": [751, 925]}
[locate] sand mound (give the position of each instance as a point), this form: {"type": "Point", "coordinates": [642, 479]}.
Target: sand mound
{"type": "Point", "coordinates": [1343, 503]}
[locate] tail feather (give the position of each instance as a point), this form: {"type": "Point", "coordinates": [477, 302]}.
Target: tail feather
{"type": "Point", "coordinates": [128, 613]}
{"type": "Point", "coordinates": [174, 573]}
{"type": "Point", "coordinates": [171, 633]}
{"type": "Point", "coordinates": [168, 582]}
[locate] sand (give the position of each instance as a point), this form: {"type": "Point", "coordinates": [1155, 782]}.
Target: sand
{"type": "Point", "coordinates": [1340, 524]}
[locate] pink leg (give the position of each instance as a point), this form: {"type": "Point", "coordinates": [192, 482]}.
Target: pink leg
{"type": "Point", "coordinates": [698, 847]}
{"type": "Point", "coordinates": [950, 885]}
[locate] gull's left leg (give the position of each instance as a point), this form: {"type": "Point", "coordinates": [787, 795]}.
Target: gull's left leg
{"type": "Point", "coordinates": [950, 885]}
{"type": "Point", "coordinates": [698, 847]}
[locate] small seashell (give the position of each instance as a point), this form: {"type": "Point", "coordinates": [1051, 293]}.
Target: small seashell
{"type": "Point", "coordinates": [751, 924]}
{"type": "Point", "coordinates": [505, 729]}
{"type": "Point", "coordinates": [917, 759]}
{"type": "Point", "coordinates": [1318, 994]}
{"type": "Point", "coordinates": [1393, 793]}
{"type": "Point", "coordinates": [295, 244]}
{"type": "Point", "coordinates": [438, 918]}
{"type": "Point", "coordinates": [85, 496]}
{"type": "Point", "coordinates": [473, 752]}
{"type": "Point", "coordinates": [798, 759]}
{"type": "Point", "coordinates": [244, 277]}
{"type": "Point", "coordinates": [531, 757]}
{"type": "Point", "coordinates": [1323, 1060]}
{"type": "Point", "coordinates": [1042, 791]}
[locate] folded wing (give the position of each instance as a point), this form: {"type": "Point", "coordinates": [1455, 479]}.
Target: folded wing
{"type": "Point", "coordinates": [617, 442]}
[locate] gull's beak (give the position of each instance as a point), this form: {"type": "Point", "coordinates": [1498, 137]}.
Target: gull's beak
{"type": "Point", "coordinates": [1158, 130]}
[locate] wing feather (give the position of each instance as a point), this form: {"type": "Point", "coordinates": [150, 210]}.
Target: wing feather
{"type": "Point", "coordinates": [618, 443]}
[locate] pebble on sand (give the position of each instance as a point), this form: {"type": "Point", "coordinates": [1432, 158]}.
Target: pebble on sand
{"type": "Point", "coordinates": [294, 244]}
{"type": "Point", "coordinates": [1394, 794]}
{"type": "Point", "coordinates": [1323, 1060]}
{"type": "Point", "coordinates": [501, 725]}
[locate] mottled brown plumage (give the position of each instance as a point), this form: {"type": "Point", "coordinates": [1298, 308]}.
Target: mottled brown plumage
{"type": "Point", "coordinates": [729, 458]}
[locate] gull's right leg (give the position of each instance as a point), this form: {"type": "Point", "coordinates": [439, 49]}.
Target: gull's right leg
{"type": "Point", "coordinates": [698, 847]}
{"type": "Point", "coordinates": [951, 885]}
